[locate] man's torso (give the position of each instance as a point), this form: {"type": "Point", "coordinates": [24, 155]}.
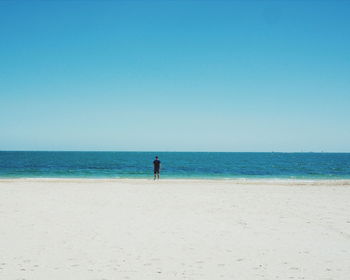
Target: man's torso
{"type": "Point", "coordinates": [156, 164]}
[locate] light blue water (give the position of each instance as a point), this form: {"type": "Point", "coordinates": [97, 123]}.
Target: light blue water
{"type": "Point", "coordinates": [174, 165]}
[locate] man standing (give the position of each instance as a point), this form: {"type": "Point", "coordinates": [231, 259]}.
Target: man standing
{"type": "Point", "coordinates": [156, 165]}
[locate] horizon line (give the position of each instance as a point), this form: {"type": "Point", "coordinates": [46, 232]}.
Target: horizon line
{"type": "Point", "coordinates": [175, 151]}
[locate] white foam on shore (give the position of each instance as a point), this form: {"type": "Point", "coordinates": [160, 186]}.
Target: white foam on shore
{"type": "Point", "coordinates": [240, 181]}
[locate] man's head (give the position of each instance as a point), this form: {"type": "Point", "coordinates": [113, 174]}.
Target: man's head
{"type": "Point", "coordinates": [156, 157]}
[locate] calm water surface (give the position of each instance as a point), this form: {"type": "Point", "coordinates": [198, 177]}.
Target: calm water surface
{"type": "Point", "coordinates": [174, 165]}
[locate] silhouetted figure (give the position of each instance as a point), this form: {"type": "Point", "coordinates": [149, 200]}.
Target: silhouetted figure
{"type": "Point", "coordinates": [156, 165]}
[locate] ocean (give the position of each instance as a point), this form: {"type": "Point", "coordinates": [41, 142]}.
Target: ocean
{"type": "Point", "coordinates": [195, 165]}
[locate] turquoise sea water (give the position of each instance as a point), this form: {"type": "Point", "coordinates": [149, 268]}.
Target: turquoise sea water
{"type": "Point", "coordinates": [174, 165]}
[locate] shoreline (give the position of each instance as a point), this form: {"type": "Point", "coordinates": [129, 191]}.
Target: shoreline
{"type": "Point", "coordinates": [238, 181]}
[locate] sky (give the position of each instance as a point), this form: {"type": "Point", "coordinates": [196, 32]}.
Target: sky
{"type": "Point", "coordinates": [235, 76]}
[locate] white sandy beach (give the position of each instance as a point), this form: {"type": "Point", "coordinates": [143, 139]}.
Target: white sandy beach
{"type": "Point", "coordinates": [174, 229]}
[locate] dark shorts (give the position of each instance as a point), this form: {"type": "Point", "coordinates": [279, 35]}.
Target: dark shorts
{"type": "Point", "coordinates": [156, 171]}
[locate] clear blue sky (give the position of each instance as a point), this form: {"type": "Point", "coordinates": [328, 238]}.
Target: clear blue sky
{"type": "Point", "coordinates": [175, 75]}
